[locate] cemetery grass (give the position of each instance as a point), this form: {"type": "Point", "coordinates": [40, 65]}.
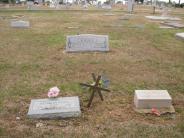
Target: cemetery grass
{"type": "Point", "coordinates": [33, 60]}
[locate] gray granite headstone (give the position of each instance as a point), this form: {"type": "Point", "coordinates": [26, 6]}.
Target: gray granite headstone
{"type": "Point", "coordinates": [87, 42]}
{"type": "Point", "coordinates": [54, 108]}
{"type": "Point", "coordinates": [20, 24]}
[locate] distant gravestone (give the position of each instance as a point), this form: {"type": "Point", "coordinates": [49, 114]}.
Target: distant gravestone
{"type": "Point", "coordinates": [174, 24]}
{"type": "Point", "coordinates": [109, 14]}
{"type": "Point", "coordinates": [166, 27]}
{"type": "Point", "coordinates": [130, 6]}
{"type": "Point", "coordinates": [54, 108]}
{"type": "Point", "coordinates": [125, 18]}
{"type": "Point", "coordinates": [180, 35]}
{"type": "Point", "coordinates": [106, 7]}
{"type": "Point", "coordinates": [147, 99]}
{"type": "Point", "coordinates": [165, 11]}
{"type": "Point", "coordinates": [30, 5]}
{"type": "Point", "coordinates": [87, 42]}
{"type": "Point", "coordinates": [163, 18]}
{"type": "Point", "coordinates": [20, 24]}
{"type": "Point", "coordinates": [72, 27]}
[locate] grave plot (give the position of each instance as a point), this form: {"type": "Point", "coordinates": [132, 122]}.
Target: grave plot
{"type": "Point", "coordinates": [163, 18]}
{"type": "Point", "coordinates": [20, 24]}
{"type": "Point", "coordinates": [87, 43]}
{"type": "Point", "coordinates": [99, 85]}
{"type": "Point", "coordinates": [109, 14]}
{"type": "Point", "coordinates": [147, 101]}
{"type": "Point", "coordinates": [54, 108]}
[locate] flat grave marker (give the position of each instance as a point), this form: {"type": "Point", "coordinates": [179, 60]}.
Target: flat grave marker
{"type": "Point", "coordinates": [163, 18]}
{"type": "Point", "coordinates": [174, 24]}
{"type": "Point", "coordinates": [20, 24]}
{"type": "Point", "coordinates": [166, 27]}
{"type": "Point", "coordinates": [54, 108]}
{"type": "Point", "coordinates": [147, 99]}
{"type": "Point", "coordinates": [109, 14]}
{"type": "Point", "coordinates": [87, 42]}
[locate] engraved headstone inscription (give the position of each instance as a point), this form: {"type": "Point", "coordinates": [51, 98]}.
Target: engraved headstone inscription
{"type": "Point", "coordinates": [87, 42]}
{"type": "Point", "coordinates": [54, 108]}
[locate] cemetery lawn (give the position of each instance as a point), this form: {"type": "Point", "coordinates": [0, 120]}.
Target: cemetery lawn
{"type": "Point", "coordinates": [33, 60]}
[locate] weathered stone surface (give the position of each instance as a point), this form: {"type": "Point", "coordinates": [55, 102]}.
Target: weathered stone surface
{"type": "Point", "coordinates": [30, 5]}
{"type": "Point", "coordinates": [174, 24]}
{"type": "Point", "coordinates": [180, 35]}
{"type": "Point", "coordinates": [54, 108]}
{"type": "Point", "coordinates": [163, 18]}
{"type": "Point", "coordinates": [166, 27]}
{"type": "Point", "coordinates": [109, 14]}
{"type": "Point", "coordinates": [87, 42]}
{"type": "Point", "coordinates": [130, 5]}
{"type": "Point", "coordinates": [20, 24]}
{"type": "Point", "coordinates": [146, 99]}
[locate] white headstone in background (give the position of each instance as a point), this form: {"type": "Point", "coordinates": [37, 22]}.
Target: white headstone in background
{"type": "Point", "coordinates": [165, 11]}
{"type": "Point", "coordinates": [87, 42]}
{"type": "Point", "coordinates": [130, 5]}
{"type": "Point", "coordinates": [147, 99]}
{"type": "Point", "coordinates": [30, 5]}
{"type": "Point", "coordinates": [54, 108]}
{"type": "Point", "coordinates": [20, 24]}
{"type": "Point", "coordinates": [180, 35]}
{"type": "Point", "coordinates": [163, 18]}
{"type": "Point", "coordinates": [106, 7]}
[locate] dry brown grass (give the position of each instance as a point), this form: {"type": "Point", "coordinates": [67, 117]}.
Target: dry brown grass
{"type": "Point", "coordinates": [32, 60]}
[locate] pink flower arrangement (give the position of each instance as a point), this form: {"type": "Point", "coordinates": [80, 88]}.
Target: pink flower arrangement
{"type": "Point", "coordinates": [53, 92]}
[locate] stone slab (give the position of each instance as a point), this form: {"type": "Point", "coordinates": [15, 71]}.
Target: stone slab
{"type": "Point", "coordinates": [125, 18]}
{"type": "Point", "coordinates": [54, 108]}
{"type": "Point", "coordinates": [109, 14]}
{"type": "Point", "coordinates": [174, 24]}
{"type": "Point", "coordinates": [163, 18]}
{"type": "Point", "coordinates": [73, 27]}
{"type": "Point", "coordinates": [166, 27]}
{"type": "Point", "coordinates": [87, 43]}
{"type": "Point", "coordinates": [180, 35]}
{"type": "Point", "coordinates": [147, 99]}
{"type": "Point", "coordinates": [20, 24]}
